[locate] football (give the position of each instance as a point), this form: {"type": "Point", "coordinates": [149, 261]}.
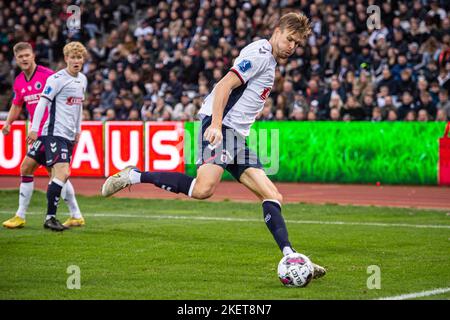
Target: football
{"type": "Point", "coordinates": [295, 270]}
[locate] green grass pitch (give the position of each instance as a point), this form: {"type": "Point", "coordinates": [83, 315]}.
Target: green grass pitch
{"type": "Point", "coordinates": [167, 249]}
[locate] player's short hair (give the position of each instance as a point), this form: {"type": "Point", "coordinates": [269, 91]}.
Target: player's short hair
{"type": "Point", "coordinates": [21, 46]}
{"type": "Point", "coordinates": [296, 22]}
{"type": "Point", "coordinates": [75, 47]}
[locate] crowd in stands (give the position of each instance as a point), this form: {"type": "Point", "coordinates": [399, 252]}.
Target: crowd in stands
{"type": "Point", "coordinates": [157, 60]}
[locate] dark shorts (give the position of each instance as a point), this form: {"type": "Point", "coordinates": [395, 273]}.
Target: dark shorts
{"type": "Point", "coordinates": [232, 154]}
{"type": "Point", "coordinates": [48, 150]}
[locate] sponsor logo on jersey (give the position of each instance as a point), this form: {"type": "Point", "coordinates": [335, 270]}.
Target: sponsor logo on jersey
{"type": "Point", "coordinates": [31, 97]}
{"type": "Point", "coordinates": [244, 65]}
{"type": "Point", "coordinates": [265, 93]}
{"type": "Point", "coordinates": [74, 100]}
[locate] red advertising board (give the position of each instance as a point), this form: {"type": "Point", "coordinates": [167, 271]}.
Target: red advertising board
{"type": "Point", "coordinates": [12, 148]}
{"type": "Point", "coordinates": [164, 142]}
{"type": "Point", "coordinates": [104, 149]}
{"type": "Point", "coordinates": [88, 157]}
{"type": "Point", "coordinates": [88, 154]}
{"type": "Point", "coordinates": [123, 145]}
{"type": "Point", "coordinates": [444, 158]}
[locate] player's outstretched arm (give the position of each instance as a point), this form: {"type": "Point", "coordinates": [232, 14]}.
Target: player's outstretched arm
{"type": "Point", "coordinates": [13, 115]}
{"type": "Point", "coordinates": [221, 94]}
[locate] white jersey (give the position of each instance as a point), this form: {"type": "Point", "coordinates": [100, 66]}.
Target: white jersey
{"type": "Point", "coordinates": [66, 94]}
{"type": "Point", "coordinates": [255, 66]}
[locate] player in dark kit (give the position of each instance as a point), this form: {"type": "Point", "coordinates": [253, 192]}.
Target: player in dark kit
{"type": "Point", "coordinates": [227, 115]}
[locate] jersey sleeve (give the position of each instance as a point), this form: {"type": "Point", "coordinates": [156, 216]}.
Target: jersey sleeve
{"type": "Point", "coordinates": [51, 88]}
{"type": "Point", "coordinates": [246, 67]}
{"type": "Point", "coordinates": [17, 96]}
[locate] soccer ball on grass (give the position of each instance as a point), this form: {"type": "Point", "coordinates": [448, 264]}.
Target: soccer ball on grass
{"type": "Point", "coordinates": [295, 270]}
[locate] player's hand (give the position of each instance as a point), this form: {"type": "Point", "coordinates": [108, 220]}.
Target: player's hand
{"type": "Point", "coordinates": [77, 138]}
{"type": "Point", "coordinates": [32, 137]}
{"type": "Point", "coordinates": [6, 129]}
{"type": "Point", "coordinates": [213, 135]}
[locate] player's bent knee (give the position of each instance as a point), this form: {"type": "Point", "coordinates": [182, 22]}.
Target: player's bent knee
{"type": "Point", "coordinates": [26, 168]}
{"type": "Point", "coordinates": [62, 174]}
{"type": "Point", "coordinates": [274, 196]}
{"type": "Point", "coordinates": [278, 196]}
{"type": "Point", "coordinates": [202, 192]}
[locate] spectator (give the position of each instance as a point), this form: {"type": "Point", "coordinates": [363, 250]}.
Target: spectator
{"type": "Point", "coordinates": [444, 102]}
{"type": "Point", "coordinates": [426, 103]}
{"type": "Point", "coordinates": [298, 114]}
{"type": "Point", "coordinates": [110, 115]}
{"type": "Point", "coordinates": [392, 115]}
{"type": "Point", "coordinates": [134, 115]}
{"type": "Point", "coordinates": [387, 81]}
{"type": "Point", "coordinates": [161, 111]}
{"type": "Point", "coordinates": [335, 114]}
{"type": "Point", "coordinates": [410, 116]}
{"type": "Point", "coordinates": [279, 115]}
{"type": "Point", "coordinates": [353, 109]}
{"type": "Point", "coordinates": [407, 105]}
{"type": "Point", "coordinates": [146, 109]}
{"type": "Point", "coordinates": [86, 115]}
{"type": "Point", "coordinates": [442, 115]}
{"type": "Point", "coordinates": [376, 114]}
{"type": "Point", "coordinates": [311, 116]}
{"type": "Point", "coordinates": [423, 115]}
{"type": "Point", "coordinates": [184, 109]}
{"type": "Point", "coordinates": [108, 96]}
{"type": "Point", "coordinates": [179, 46]}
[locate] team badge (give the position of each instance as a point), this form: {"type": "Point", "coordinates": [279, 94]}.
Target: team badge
{"type": "Point", "coordinates": [244, 65]}
{"type": "Point", "coordinates": [48, 90]}
{"type": "Point", "coordinates": [38, 85]}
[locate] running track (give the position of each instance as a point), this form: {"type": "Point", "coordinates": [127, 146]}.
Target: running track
{"type": "Point", "coordinates": [432, 197]}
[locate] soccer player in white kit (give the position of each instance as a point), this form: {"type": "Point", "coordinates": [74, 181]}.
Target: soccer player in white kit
{"type": "Point", "coordinates": [227, 115]}
{"type": "Point", "coordinates": [28, 86]}
{"type": "Point", "coordinates": [63, 95]}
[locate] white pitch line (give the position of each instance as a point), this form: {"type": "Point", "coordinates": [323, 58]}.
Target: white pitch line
{"type": "Point", "coordinates": [417, 294]}
{"type": "Point", "coordinates": [201, 218]}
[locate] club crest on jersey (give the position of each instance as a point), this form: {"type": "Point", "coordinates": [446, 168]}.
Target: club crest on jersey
{"type": "Point", "coordinates": [245, 65]}
{"type": "Point", "coordinates": [48, 90]}
{"type": "Point", "coordinates": [38, 85]}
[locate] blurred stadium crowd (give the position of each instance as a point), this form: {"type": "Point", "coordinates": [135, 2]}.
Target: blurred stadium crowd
{"type": "Point", "coordinates": [157, 60]}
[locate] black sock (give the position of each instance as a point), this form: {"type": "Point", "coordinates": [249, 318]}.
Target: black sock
{"type": "Point", "coordinates": [275, 222]}
{"type": "Point", "coordinates": [53, 195]}
{"type": "Point", "coordinates": [171, 181]}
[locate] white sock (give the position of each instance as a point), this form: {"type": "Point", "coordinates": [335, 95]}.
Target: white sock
{"type": "Point", "coordinates": [191, 188]}
{"type": "Point", "coordinates": [68, 194]}
{"type": "Point", "coordinates": [48, 217]}
{"type": "Point", "coordinates": [287, 250]}
{"type": "Point", "coordinates": [25, 193]}
{"type": "Point", "coordinates": [135, 177]}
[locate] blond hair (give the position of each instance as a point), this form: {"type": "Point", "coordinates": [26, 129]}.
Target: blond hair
{"type": "Point", "coordinates": [75, 47]}
{"type": "Point", "coordinates": [21, 46]}
{"type": "Point", "coordinates": [296, 22]}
